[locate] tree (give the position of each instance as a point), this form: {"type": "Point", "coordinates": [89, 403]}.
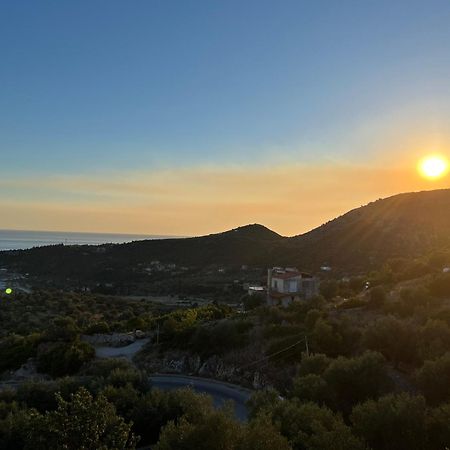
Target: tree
{"type": "Point", "coordinates": [261, 434]}
{"type": "Point", "coordinates": [434, 339]}
{"type": "Point", "coordinates": [353, 380]}
{"type": "Point", "coordinates": [356, 284]}
{"type": "Point", "coordinates": [312, 316]}
{"type": "Point", "coordinates": [415, 297]}
{"type": "Point", "coordinates": [395, 339]}
{"type": "Point", "coordinates": [38, 395]}
{"type": "Point", "coordinates": [62, 329]}
{"type": "Point", "coordinates": [329, 289]}
{"type": "Point", "coordinates": [324, 338]}
{"type": "Point", "coordinates": [311, 388]}
{"type": "Point", "coordinates": [156, 408]}
{"type": "Point", "coordinates": [393, 422]}
{"type": "Point", "coordinates": [64, 358]}
{"type": "Point", "coordinates": [433, 379]}
{"type": "Point", "coordinates": [314, 364]}
{"type": "Point", "coordinates": [311, 427]}
{"type": "Point", "coordinates": [253, 301]}
{"type": "Point", "coordinates": [262, 402]}
{"type": "Point", "coordinates": [440, 286]}
{"type": "Point", "coordinates": [15, 428]}
{"type": "Point", "coordinates": [98, 327]}
{"type": "Point", "coordinates": [211, 429]}
{"type": "Point", "coordinates": [81, 423]}
{"type": "Point", "coordinates": [438, 429]}
{"type": "Point", "coordinates": [15, 351]}
{"type": "Point", "coordinates": [307, 426]}
{"type": "Point", "coordinates": [123, 398]}
{"type": "Point", "coordinates": [377, 297]}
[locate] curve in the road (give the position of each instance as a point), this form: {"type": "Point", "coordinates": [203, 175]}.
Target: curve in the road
{"type": "Point", "coordinates": [219, 391]}
{"type": "Point", "coordinates": [127, 351]}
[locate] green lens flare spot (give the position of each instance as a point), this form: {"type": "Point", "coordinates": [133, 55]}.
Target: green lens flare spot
{"type": "Point", "coordinates": [8, 291]}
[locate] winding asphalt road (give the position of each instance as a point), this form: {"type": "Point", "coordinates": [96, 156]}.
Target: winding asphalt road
{"type": "Point", "coordinates": [219, 391]}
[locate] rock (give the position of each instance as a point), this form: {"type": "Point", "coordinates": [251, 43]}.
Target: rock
{"type": "Point", "coordinates": [139, 334]}
{"type": "Point", "coordinates": [256, 381]}
{"type": "Point", "coordinates": [193, 363]}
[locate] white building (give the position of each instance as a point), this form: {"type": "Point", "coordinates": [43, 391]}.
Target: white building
{"type": "Point", "coordinates": [288, 285]}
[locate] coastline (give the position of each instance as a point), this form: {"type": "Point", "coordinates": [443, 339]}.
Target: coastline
{"type": "Point", "coordinates": [23, 240]}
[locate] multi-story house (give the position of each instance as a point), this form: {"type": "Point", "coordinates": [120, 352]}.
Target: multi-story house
{"type": "Point", "coordinates": [287, 285]}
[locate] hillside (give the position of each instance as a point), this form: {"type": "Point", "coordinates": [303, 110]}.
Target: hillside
{"type": "Point", "coordinates": [250, 244]}
{"type": "Point", "coordinates": [405, 225]}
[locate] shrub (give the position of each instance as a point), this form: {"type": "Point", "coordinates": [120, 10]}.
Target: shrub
{"type": "Point", "coordinates": [395, 339]}
{"type": "Point", "coordinates": [393, 422]}
{"type": "Point", "coordinates": [98, 328]}
{"type": "Point", "coordinates": [433, 379]}
{"type": "Point", "coordinates": [353, 380]}
{"type": "Point", "coordinates": [15, 351]}
{"type": "Point", "coordinates": [440, 286]}
{"type": "Point", "coordinates": [64, 358]}
{"type": "Point", "coordinates": [377, 297]}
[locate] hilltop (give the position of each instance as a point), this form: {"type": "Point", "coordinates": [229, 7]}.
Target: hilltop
{"type": "Point", "coordinates": [404, 225]}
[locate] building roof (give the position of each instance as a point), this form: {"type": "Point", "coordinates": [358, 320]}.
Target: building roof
{"type": "Point", "coordinates": [287, 275]}
{"type": "Point", "coordinates": [257, 288]}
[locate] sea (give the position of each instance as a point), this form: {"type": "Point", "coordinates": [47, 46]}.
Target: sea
{"type": "Point", "coordinates": [20, 240]}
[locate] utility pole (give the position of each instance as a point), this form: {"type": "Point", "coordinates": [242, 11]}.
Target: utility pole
{"type": "Point", "coordinates": [306, 345]}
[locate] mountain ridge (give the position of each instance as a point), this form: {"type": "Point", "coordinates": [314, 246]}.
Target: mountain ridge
{"type": "Point", "coordinates": [402, 225]}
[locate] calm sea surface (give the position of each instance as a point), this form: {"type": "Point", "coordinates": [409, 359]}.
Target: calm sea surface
{"type": "Point", "coordinates": [18, 240]}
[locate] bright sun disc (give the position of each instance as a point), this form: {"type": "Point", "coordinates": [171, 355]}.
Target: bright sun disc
{"type": "Point", "coordinates": [433, 166]}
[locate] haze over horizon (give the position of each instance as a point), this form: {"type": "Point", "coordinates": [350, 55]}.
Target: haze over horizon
{"type": "Point", "coordinates": [181, 119]}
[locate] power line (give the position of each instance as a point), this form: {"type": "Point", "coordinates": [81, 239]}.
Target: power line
{"type": "Point", "coordinates": [273, 354]}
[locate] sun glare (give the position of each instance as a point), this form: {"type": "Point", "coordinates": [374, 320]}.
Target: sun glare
{"type": "Point", "coordinates": [433, 167]}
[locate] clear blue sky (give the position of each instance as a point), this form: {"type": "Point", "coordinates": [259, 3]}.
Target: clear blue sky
{"type": "Point", "coordinates": [132, 85]}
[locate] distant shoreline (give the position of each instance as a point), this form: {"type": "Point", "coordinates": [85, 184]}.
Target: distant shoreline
{"type": "Point", "coordinates": [22, 239]}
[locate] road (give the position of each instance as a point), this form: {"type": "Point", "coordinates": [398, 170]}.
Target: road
{"type": "Point", "coordinates": [128, 351]}
{"type": "Point", "coordinates": [219, 391]}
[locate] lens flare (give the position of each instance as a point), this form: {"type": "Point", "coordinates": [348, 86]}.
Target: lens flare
{"type": "Point", "coordinates": [8, 291]}
{"type": "Point", "coordinates": [433, 167]}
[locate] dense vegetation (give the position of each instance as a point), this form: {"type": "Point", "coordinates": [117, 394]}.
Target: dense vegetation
{"type": "Point", "coordinates": [374, 375]}
{"type": "Point", "coordinates": [24, 314]}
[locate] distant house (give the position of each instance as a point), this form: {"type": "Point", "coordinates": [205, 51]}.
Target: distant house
{"type": "Point", "coordinates": [252, 290]}
{"type": "Point", "coordinates": [288, 285]}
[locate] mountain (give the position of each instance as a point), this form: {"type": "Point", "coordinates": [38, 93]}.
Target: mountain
{"type": "Point", "coordinates": [404, 225]}
{"type": "Point", "coordinates": [248, 244]}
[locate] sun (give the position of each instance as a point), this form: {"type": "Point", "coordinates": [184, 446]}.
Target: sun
{"type": "Point", "coordinates": [433, 166]}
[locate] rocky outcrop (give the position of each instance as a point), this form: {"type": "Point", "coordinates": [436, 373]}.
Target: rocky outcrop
{"type": "Point", "coordinates": [212, 367]}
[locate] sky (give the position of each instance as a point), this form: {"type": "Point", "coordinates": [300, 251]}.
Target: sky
{"type": "Point", "coordinates": [190, 117]}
